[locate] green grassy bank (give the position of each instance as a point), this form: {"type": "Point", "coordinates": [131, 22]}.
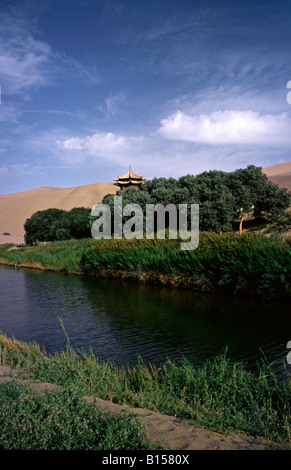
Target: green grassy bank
{"type": "Point", "coordinates": [252, 265]}
{"type": "Point", "coordinates": [220, 395]}
{"type": "Point", "coordinates": [63, 420]}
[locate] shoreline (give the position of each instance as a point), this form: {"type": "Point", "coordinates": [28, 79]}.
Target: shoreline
{"type": "Point", "coordinates": [174, 403]}
{"type": "Point", "coordinates": [148, 278]}
{"type": "Point", "coordinates": [251, 266]}
{"type": "Point", "coordinates": [171, 432]}
{"type": "Point", "coordinates": [140, 386]}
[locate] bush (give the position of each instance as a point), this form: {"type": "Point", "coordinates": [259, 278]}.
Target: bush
{"type": "Point", "coordinates": [58, 225]}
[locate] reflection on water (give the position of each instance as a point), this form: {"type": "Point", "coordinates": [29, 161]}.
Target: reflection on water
{"type": "Point", "coordinates": [120, 320]}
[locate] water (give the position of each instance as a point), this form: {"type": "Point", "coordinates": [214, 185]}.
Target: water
{"type": "Point", "coordinates": [118, 321]}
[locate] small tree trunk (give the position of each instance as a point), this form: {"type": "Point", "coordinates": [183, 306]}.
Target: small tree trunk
{"type": "Point", "coordinates": [241, 222]}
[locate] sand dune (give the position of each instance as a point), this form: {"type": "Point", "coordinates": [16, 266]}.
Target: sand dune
{"type": "Point", "coordinates": [17, 207]}
{"type": "Point", "coordinates": [278, 169]}
{"type": "Point", "coordinates": [280, 174]}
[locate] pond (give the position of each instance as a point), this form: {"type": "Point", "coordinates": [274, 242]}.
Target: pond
{"type": "Point", "coordinates": [119, 321]}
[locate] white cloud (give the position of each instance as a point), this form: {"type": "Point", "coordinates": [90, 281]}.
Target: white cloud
{"type": "Point", "coordinates": [228, 127]}
{"type": "Point", "coordinates": [97, 144]}
{"type": "Point", "coordinates": [23, 63]}
{"type": "Point", "coordinates": [72, 66]}
{"type": "Point", "coordinates": [112, 104]}
{"type": "Point", "coordinates": [27, 63]}
{"type": "Point", "coordinates": [3, 169]}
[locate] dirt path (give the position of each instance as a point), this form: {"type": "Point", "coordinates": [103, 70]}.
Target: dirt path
{"type": "Point", "coordinates": [175, 434]}
{"type": "Point", "coordinates": [172, 432]}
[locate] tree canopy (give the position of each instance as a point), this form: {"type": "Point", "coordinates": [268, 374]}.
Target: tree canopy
{"type": "Point", "coordinates": [223, 197]}
{"type": "Point", "coordinates": [58, 224]}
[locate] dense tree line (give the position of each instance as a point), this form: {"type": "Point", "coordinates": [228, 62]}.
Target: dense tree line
{"type": "Point", "coordinates": [223, 197]}
{"type": "Point", "coordinates": [58, 224]}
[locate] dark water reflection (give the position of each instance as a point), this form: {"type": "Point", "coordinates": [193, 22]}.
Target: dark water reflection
{"type": "Point", "coordinates": [119, 320]}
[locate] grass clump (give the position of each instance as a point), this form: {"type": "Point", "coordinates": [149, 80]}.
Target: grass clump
{"type": "Point", "coordinates": [220, 395]}
{"type": "Point", "coordinates": [62, 256]}
{"type": "Point", "coordinates": [63, 421]}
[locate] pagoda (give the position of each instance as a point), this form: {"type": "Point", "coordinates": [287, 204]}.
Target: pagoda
{"type": "Point", "coordinates": [129, 179]}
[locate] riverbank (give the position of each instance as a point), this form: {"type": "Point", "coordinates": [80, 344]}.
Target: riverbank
{"type": "Point", "coordinates": [251, 265]}
{"type": "Point", "coordinates": [220, 405]}
{"type": "Point", "coordinates": [159, 431]}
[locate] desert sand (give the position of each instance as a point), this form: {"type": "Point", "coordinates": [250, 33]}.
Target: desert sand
{"type": "Point", "coordinates": [17, 207]}
{"type": "Point", "coordinates": [280, 174]}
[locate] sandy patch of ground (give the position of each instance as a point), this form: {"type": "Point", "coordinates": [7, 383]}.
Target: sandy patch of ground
{"type": "Point", "coordinates": [16, 239]}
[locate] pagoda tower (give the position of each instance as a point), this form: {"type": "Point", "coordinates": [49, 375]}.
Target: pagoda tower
{"type": "Point", "coordinates": [129, 179]}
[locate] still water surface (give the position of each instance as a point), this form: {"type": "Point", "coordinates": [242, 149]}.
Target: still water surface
{"type": "Point", "coordinates": [118, 320]}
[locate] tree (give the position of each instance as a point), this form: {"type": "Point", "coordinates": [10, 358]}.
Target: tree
{"type": "Point", "coordinates": [57, 224]}
{"type": "Point", "coordinates": [207, 189]}
{"type": "Point", "coordinates": [223, 197]}
{"type": "Point", "coordinates": [255, 194]}
{"type": "Point", "coordinates": [79, 222]}
{"type": "Point", "coordinates": [273, 201]}
{"type": "Point", "coordinates": [42, 225]}
{"type": "Point", "coordinates": [215, 201]}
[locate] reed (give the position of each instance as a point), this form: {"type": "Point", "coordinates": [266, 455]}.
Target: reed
{"type": "Point", "coordinates": [253, 265]}
{"type": "Point", "coordinates": [58, 256]}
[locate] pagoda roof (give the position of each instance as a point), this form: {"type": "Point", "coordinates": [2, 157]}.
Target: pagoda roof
{"type": "Point", "coordinates": [130, 175]}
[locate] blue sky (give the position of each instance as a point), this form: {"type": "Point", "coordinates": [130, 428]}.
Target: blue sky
{"type": "Point", "coordinates": [170, 87]}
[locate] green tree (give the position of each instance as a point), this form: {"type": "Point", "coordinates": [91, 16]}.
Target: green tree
{"type": "Point", "coordinates": [79, 222]}
{"type": "Point", "coordinates": [215, 199]}
{"type": "Point", "coordinates": [57, 224]}
{"type": "Point", "coordinates": [272, 201]}
{"type": "Point", "coordinates": [223, 197]}
{"type": "Point", "coordinates": [255, 194]}
{"type": "Point", "coordinates": [42, 225]}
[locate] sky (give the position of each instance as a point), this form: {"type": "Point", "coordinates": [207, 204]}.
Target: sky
{"type": "Point", "coordinates": [170, 87]}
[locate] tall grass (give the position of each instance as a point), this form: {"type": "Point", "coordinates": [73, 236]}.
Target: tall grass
{"type": "Point", "coordinates": [58, 256]}
{"type": "Point", "coordinates": [220, 395]}
{"type": "Point", "coordinates": [252, 265]}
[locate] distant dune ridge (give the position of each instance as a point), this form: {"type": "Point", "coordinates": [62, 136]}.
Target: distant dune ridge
{"type": "Point", "coordinates": [17, 207]}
